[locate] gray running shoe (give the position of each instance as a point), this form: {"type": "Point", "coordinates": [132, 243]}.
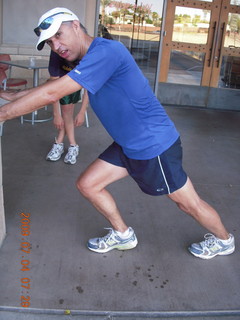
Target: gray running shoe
{"type": "Point", "coordinates": [212, 246]}
{"type": "Point", "coordinates": [71, 156]}
{"type": "Point", "coordinates": [56, 152]}
{"type": "Point", "coordinates": [112, 241]}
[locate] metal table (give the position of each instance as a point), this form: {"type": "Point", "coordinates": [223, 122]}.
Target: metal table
{"type": "Point", "coordinates": [35, 65]}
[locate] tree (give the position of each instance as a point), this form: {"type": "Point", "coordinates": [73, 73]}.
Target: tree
{"type": "Point", "coordinates": [196, 19]}
{"type": "Point", "coordinates": [104, 4]}
{"type": "Point", "coordinates": [122, 8]}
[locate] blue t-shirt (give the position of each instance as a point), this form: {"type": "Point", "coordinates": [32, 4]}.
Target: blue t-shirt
{"type": "Point", "coordinates": [123, 100]}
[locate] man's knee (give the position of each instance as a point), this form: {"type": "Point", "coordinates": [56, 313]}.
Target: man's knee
{"type": "Point", "coordinates": [187, 200]}
{"type": "Point", "coordinates": [85, 186]}
{"type": "Point", "coordinates": [190, 207]}
{"type": "Point", "coordinates": [82, 186]}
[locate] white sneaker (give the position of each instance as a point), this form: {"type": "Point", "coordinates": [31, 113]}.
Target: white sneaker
{"type": "Point", "coordinates": [113, 241]}
{"type": "Point", "coordinates": [212, 246]}
{"type": "Point", "coordinates": [71, 156]}
{"type": "Point", "coordinates": [56, 152]}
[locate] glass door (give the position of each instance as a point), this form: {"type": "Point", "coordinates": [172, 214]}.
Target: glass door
{"type": "Point", "coordinates": [230, 64]}
{"type": "Point", "coordinates": [188, 49]}
{"type": "Point", "coordinates": [201, 48]}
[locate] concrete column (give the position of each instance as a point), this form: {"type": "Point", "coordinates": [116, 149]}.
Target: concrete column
{"type": "Point", "coordinates": [90, 16]}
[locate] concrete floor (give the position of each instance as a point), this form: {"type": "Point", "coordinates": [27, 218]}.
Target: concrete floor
{"type": "Point", "coordinates": [158, 279]}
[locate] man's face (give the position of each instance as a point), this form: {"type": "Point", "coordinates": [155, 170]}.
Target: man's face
{"type": "Point", "coordinates": [66, 41]}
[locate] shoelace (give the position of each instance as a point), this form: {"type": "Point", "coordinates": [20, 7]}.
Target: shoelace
{"type": "Point", "coordinates": [210, 240]}
{"type": "Point", "coordinates": [71, 150]}
{"type": "Point", "coordinates": [56, 147]}
{"type": "Point", "coordinates": [107, 236]}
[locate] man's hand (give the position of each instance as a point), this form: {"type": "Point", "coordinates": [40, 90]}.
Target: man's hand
{"type": "Point", "coordinates": [3, 115]}
{"type": "Point", "coordinates": [9, 95]}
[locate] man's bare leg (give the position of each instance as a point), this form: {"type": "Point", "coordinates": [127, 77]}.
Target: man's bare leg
{"type": "Point", "coordinates": [188, 200]}
{"type": "Point", "coordinates": [92, 183]}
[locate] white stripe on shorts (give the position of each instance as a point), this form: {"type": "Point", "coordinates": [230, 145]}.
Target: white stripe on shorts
{"type": "Point", "coordinates": [160, 164]}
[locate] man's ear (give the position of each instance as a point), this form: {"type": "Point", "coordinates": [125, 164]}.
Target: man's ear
{"type": "Point", "coordinates": [75, 24]}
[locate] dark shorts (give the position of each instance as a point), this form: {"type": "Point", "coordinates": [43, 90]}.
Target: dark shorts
{"type": "Point", "coordinates": [161, 175]}
{"type": "Point", "coordinates": [71, 98]}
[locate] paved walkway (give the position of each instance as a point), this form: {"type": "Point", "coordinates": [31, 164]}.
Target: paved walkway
{"type": "Point", "coordinates": [157, 279]}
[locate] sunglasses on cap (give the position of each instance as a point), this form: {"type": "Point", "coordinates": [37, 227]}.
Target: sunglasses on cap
{"type": "Point", "coordinates": [47, 23]}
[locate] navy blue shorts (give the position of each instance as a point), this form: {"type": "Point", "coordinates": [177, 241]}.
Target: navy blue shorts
{"type": "Point", "coordinates": [161, 175]}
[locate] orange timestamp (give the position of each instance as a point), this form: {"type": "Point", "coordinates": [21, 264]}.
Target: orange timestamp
{"type": "Point", "coordinates": [25, 248]}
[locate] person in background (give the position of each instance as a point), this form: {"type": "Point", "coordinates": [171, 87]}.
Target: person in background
{"type": "Point", "coordinates": [63, 113]}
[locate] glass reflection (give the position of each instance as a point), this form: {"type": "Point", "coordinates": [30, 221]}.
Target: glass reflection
{"type": "Point", "coordinates": [232, 37]}
{"type": "Point", "coordinates": [235, 2]}
{"type": "Point", "coordinates": [230, 72]}
{"type": "Point", "coordinates": [186, 67]}
{"type": "Point", "coordinates": [137, 25]}
{"type": "Point", "coordinates": [191, 25]}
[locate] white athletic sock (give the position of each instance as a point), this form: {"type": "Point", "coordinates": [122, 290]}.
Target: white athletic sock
{"type": "Point", "coordinates": [227, 241]}
{"type": "Point", "coordinates": [124, 235]}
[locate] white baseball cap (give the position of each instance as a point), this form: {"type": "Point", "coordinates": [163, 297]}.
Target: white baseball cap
{"type": "Point", "coordinates": [50, 22]}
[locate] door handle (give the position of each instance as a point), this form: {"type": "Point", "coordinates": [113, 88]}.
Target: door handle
{"type": "Point", "coordinates": [220, 45]}
{"type": "Point", "coordinates": [212, 44]}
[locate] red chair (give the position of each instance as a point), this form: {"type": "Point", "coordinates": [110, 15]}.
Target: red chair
{"type": "Point", "coordinates": [6, 82]}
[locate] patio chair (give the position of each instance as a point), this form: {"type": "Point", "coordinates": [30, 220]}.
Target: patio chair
{"type": "Point", "coordinates": [6, 81]}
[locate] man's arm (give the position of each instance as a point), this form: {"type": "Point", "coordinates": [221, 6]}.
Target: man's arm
{"type": "Point", "coordinates": [45, 94]}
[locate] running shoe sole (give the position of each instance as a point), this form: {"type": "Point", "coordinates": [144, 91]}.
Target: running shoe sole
{"type": "Point", "coordinates": [53, 160]}
{"type": "Point", "coordinates": [207, 257]}
{"type": "Point", "coordinates": [125, 246]}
